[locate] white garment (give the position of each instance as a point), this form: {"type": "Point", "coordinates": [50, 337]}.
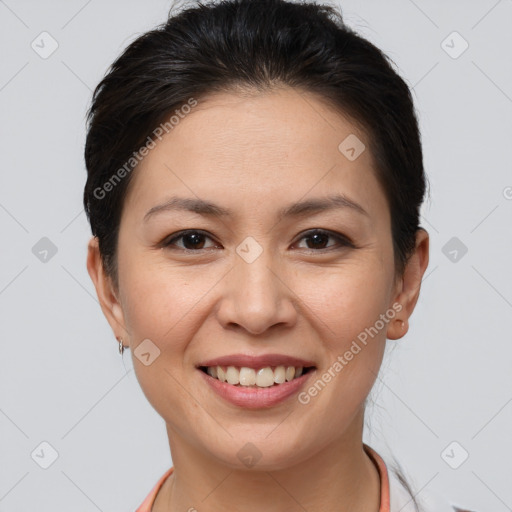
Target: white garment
{"type": "Point", "coordinates": [400, 500]}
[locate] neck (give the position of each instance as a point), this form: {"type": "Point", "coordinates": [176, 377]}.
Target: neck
{"type": "Point", "coordinates": [339, 478]}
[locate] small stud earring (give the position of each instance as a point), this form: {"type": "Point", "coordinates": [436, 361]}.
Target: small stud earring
{"type": "Point", "coordinates": [121, 346]}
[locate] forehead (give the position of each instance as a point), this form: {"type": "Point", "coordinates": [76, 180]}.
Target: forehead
{"type": "Point", "coordinates": [260, 147]}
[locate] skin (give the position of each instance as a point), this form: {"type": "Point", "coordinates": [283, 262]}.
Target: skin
{"type": "Point", "coordinates": [255, 154]}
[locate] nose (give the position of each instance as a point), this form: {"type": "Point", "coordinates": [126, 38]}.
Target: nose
{"type": "Point", "coordinates": [256, 296]}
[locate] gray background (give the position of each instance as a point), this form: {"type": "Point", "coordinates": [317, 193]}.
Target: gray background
{"type": "Point", "coordinates": [62, 380]}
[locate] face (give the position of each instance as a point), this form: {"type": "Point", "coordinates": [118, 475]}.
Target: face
{"type": "Point", "coordinates": [257, 282]}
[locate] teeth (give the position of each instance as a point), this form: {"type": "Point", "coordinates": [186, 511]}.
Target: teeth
{"type": "Point", "coordinates": [247, 376]}
{"type": "Point", "coordinates": [279, 375]}
{"type": "Point", "coordinates": [232, 375]}
{"type": "Point", "coordinates": [263, 377]}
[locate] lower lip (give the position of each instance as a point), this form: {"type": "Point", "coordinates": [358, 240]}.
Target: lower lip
{"type": "Point", "coordinates": [253, 397]}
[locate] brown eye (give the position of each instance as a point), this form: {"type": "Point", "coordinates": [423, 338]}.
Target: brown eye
{"type": "Point", "coordinates": [191, 240]}
{"type": "Point", "coordinates": [319, 238]}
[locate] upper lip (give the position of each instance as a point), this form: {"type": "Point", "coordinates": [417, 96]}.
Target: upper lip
{"type": "Point", "coordinates": [256, 362]}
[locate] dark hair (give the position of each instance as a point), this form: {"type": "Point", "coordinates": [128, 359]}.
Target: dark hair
{"type": "Point", "coordinates": [250, 45]}
{"type": "Point", "coordinates": [244, 46]}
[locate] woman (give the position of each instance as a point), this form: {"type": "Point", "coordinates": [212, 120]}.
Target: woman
{"type": "Point", "coordinates": [254, 183]}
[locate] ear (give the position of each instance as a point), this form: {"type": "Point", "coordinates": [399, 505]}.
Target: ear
{"type": "Point", "coordinates": [107, 295]}
{"type": "Point", "coordinates": [408, 286]}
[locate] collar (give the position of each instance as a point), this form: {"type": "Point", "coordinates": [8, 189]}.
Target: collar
{"type": "Point", "coordinates": [374, 456]}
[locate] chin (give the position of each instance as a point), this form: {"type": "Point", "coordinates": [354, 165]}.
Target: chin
{"type": "Point", "coordinates": [261, 453]}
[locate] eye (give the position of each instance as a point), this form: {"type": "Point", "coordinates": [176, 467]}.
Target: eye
{"type": "Point", "coordinates": [319, 237]}
{"type": "Point", "coordinates": [192, 240]}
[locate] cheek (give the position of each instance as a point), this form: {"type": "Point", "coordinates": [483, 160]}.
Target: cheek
{"type": "Point", "coordinates": [162, 305]}
{"type": "Point", "coordinates": [346, 300]}
{"type": "Point", "coordinates": [348, 310]}
{"type": "Point", "coordinates": [146, 301]}
{"type": "Point", "coordinates": [165, 302]}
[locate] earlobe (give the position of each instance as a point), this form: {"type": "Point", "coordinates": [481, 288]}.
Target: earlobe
{"type": "Point", "coordinates": [397, 329]}
{"type": "Point", "coordinates": [107, 296]}
{"type": "Point", "coordinates": [409, 291]}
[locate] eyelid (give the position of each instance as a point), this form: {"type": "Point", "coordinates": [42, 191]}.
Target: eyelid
{"type": "Point", "coordinates": [342, 239]}
{"type": "Point", "coordinates": [176, 236]}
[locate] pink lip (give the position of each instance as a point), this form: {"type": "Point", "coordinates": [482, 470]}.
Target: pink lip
{"type": "Point", "coordinates": [253, 397]}
{"type": "Point", "coordinates": [257, 362]}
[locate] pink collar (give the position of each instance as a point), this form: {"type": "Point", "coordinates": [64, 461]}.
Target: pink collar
{"type": "Point", "coordinates": [147, 504]}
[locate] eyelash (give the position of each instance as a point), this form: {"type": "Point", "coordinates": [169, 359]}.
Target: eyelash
{"type": "Point", "coordinates": [342, 240]}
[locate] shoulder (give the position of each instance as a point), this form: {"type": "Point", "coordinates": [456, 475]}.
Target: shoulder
{"type": "Point", "coordinates": [428, 501]}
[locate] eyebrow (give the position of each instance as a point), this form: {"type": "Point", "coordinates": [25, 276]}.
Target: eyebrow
{"type": "Point", "coordinates": [298, 209]}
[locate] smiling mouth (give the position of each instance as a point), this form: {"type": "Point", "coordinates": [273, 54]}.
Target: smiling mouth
{"type": "Point", "coordinates": [264, 377]}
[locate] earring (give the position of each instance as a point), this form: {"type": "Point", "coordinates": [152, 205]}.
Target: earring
{"type": "Point", "coordinates": [402, 324]}
{"type": "Point", "coordinates": [121, 346]}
